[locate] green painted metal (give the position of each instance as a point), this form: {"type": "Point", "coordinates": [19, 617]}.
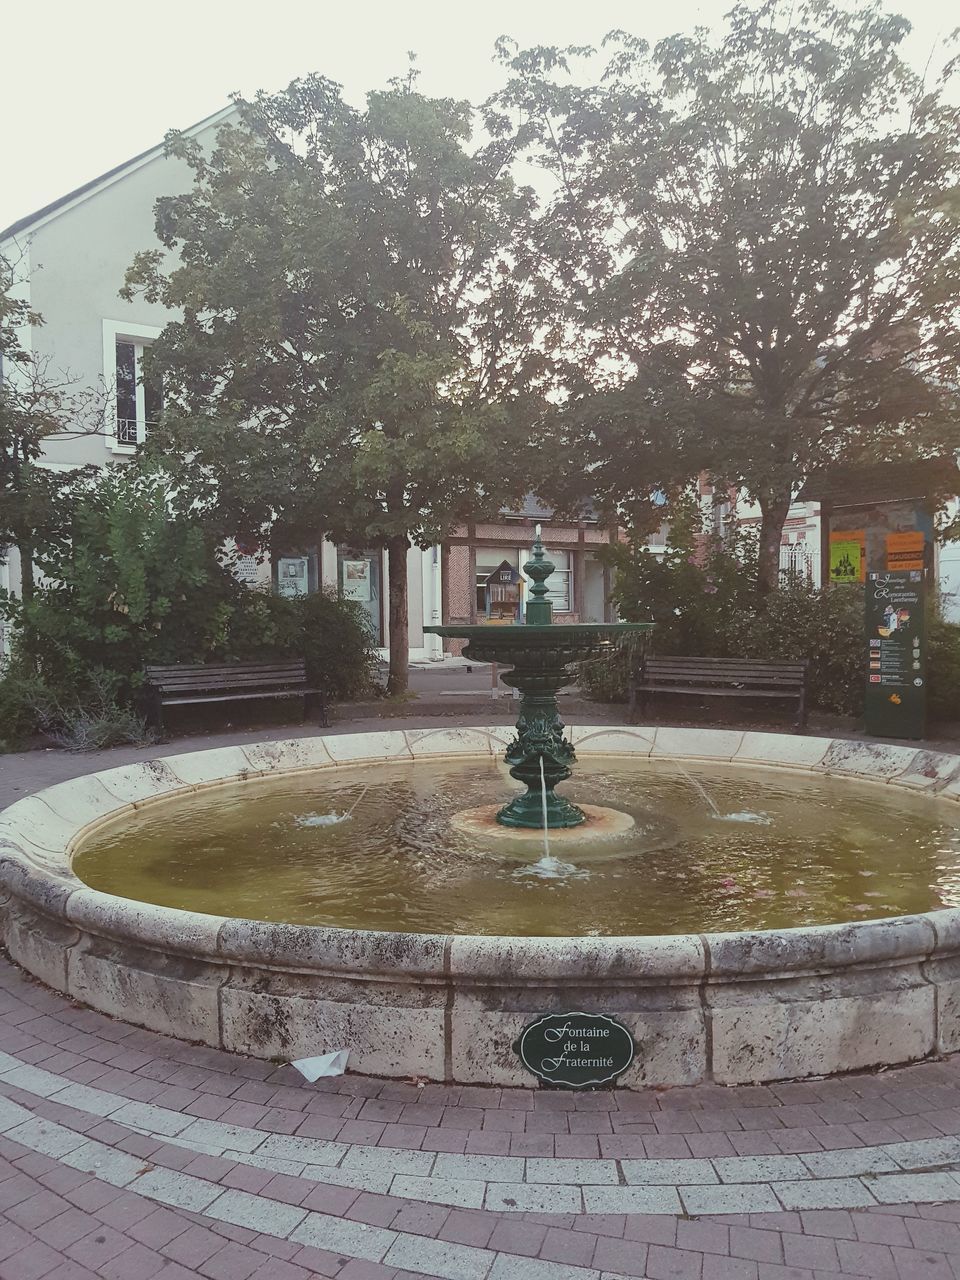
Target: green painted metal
{"type": "Point", "coordinates": [540, 653]}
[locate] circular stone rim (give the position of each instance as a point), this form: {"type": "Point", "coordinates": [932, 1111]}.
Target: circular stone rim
{"type": "Point", "coordinates": [45, 856]}
{"type": "Point", "coordinates": [821, 998]}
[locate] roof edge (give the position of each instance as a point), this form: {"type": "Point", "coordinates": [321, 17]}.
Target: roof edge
{"type": "Point", "coordinates": [52, 210]}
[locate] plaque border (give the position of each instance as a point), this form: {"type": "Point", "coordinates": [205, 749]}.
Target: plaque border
{"type": "Point", "coordinates": [574, 1013]}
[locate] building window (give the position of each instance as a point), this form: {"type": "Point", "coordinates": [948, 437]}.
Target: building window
{"type": "Point", "coordinates": [560, 583]}
{"type": "Point", "coordinates": [138, 399]}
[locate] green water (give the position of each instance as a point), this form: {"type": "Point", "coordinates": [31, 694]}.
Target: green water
{"type": "Point", "coordinates": [790, 849]}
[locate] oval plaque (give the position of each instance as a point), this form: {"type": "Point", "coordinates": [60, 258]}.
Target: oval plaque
{"type": "Point", "coordinates": [576, 1050]}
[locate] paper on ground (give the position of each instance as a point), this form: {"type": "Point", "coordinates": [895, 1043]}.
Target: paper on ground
{"type": "Point", "coordinates": [328, 1064]}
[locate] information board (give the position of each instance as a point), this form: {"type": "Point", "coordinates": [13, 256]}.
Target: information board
{"type": "Point", "coordinates": [896, 655]}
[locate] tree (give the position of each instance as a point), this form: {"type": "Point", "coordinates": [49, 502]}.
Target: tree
{"type": "Point", "coordinates": [356, 356]}
{"type": "Point", "coordinates": [758, 242]}
{"type": "Point", "coordinates": [35, 403]}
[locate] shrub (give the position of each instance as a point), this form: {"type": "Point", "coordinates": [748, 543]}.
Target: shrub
{"type": "Point", "coordinates": [97, 721]}
{"type": "Point", "coordinates": [24, 699]}
{"type": "Point", "coordinates": [135, 585]}
{"type": "Point", "coordinates": [703, 601]}
{"type": "Point", "coordinates": [943, 669]}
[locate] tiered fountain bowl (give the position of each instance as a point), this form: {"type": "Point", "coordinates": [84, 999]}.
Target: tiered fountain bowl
{"type": "Point", "coordinates": [372, 892]}
{"type": "Point", "coordinates": [541, 654]}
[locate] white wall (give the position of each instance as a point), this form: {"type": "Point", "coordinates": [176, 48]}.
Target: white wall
{"type": "Point", "coordinates": [78, 257]}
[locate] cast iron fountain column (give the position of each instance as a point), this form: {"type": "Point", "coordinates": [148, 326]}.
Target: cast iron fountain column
{"type": "Point", "coordinates": [541, 654]}
{"type": "Point", "coordinates": [539, 727]}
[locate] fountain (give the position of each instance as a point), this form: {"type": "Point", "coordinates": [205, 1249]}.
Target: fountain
{"type": "Point", "coordinates": [373, 892]}
{"type": "Point", "coordinates": [540, 653]}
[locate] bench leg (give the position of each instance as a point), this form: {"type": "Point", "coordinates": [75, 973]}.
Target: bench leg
{"type": "Point", "coordinates": [155, 712]}
{"type": "Point", "coordinates": [316, 703]}
{"type": "Point", "coordinates": [802, 712]}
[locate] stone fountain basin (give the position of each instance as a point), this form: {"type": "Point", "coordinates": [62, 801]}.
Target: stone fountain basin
{"type": "Point", "coordinates": [729, 1007]}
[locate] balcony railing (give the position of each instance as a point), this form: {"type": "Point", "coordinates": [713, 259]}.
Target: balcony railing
{"type": "Point", "coordinates": [131, 433]}
{"type": "Point", "coordinates": [127, 431]}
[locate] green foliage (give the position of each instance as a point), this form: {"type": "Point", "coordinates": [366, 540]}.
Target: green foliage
{"type": "Point", "coordinates": [24, 700]}
{"type": "Point", "coordinates": [756, 247]}
{"type": "Point", "coordinates": [704, 603]}
{"type": "Point", "coordinates": [131, 585]}
{"type": "Point", "coordinates": [943, 659]}
{"type": "Point", "coordinates": [135, 585]}
{"type": "Point", "coordinates": [357, 352]}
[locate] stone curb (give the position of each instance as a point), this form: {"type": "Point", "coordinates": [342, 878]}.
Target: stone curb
{"type": "Point", "coordinates": [733, 1008]}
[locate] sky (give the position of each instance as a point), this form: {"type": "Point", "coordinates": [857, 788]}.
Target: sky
{"type": "Point", "coordinates": [86, 84]}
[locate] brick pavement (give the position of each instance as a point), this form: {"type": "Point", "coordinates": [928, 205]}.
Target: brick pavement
{"type": "Point", "coordinates": [128, 1156]}
{"type": "Point", "coordinates": [125, 1155]}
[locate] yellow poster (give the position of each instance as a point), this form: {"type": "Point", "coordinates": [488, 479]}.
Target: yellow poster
{"type": "Point", "coordinates": [847, 556]}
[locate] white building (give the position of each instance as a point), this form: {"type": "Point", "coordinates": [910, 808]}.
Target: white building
{"type": "Point", "coordinates": [72, 256]}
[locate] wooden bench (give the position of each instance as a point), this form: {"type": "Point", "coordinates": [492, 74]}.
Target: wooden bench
{"type": "Point", "coordinates": [721, 678]}
{"type": "Point", "coordinates": [190, 685]}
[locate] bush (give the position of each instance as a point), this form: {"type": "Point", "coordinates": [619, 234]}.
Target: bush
{"type": "Point", "coordinates": [703, 601]}
{"type": "Point", "coordinates": [135, 585]}
{"type": "Point", "coordinates": [943, 669]}
{"type": "Point", "coordinates": [98, 722]}
{"type": "Point", "coordinates": [330, 634]}
{"type": "Point", "coordinates": [24, 700]}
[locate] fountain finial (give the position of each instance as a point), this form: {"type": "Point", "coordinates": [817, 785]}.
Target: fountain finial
{"type": "Point", "coordinates": [539, 611]}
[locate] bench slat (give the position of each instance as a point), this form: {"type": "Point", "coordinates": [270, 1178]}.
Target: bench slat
{"type": "Point", "coordinates": [725, 693]}
{"type": "Point", "coordinates": [222, 677]}
{"type": "Point", "coordinates": [709, 677]}
{"type": "Point", "coordinates": [227, 682]}
{"type": "Point", "coordinates": [726, 668]}
{"type": "Point", "coordinates": [225, 666]}
{"type": "Point", "coordinates": [238, 697]}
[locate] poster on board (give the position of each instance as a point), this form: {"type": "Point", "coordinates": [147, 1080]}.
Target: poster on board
{"type": "Point", "coordinates": [847, 555]}
{"type": "Point", "coordinates": [905, 550]}
{"type": "Point", "coordinates": [896, 655]}
{"type": "Point", "coordinates": [356, 579]}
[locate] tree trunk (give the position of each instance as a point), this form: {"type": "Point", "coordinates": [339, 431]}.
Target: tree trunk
{"type": "Point", "coordinates": [398, 678]}
{"type": "Point", "coordinates": [26, 571]}
{"type": "Point", "coordinates": [774, 507]}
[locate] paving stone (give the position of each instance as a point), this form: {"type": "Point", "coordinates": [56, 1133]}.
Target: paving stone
{"type": "Point", "coordinates": [674, 1173]}
{"type": "Point", "coordinates": [751, 1198]}
{"type": "Point", "coordinates": [355, 1239]}
{"type": "Point", "coordinates": [572, 1171]}
{"type": "Point", "coordinates": [826, 1193]}
{"type": "Point", "coordinates": [742, 1169]}
{"type": "Point", "coordinates": [622, 1257]}
{"type": "Point", "coordinates": [258, 1213]}
{"type": "Point", "coordinates": [652, 1199]}
{"type": "Point", "coordinates": [178, 1189]}
{"type": "Point", "coordinates": [908, 1188]}
{"type": "Point", "coordinates": [390, 1161]}
{"type": "Point", "coordinates": [842, 1164]}
{"type": "Point", "coordinates": [527, 1197]}
{"type": "Point", "coordinates": [459, 1193]}
{"type": "Point", "coordinates": [481, 1168]}
{"type": "Point", "coordinates": [445, 1260]}
{"type": "Point", "coordinates": [664, 1263]}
